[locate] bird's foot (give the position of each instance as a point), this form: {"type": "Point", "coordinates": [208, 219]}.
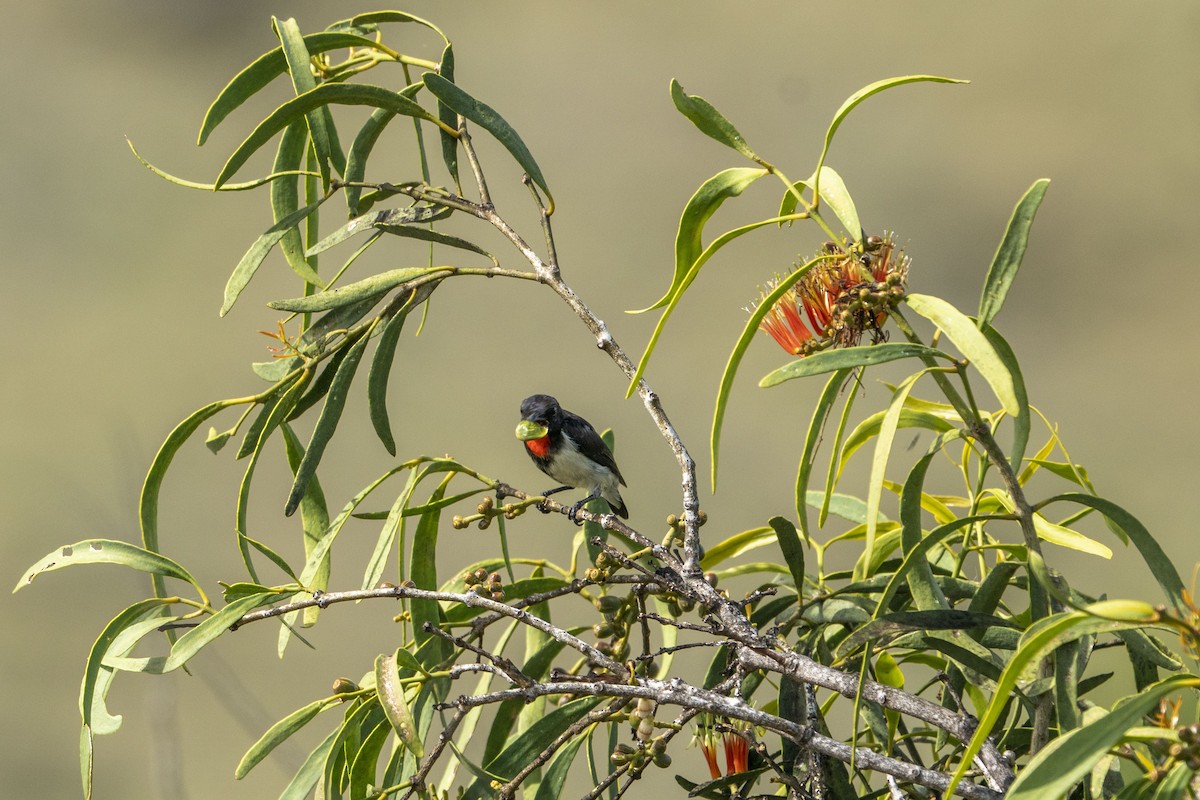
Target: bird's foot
{"type": "Point", "coordinates": [574, 510]}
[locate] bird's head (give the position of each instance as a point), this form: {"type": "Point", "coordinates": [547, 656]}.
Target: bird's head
{"type": "Point", "coordinates": [541, 415]}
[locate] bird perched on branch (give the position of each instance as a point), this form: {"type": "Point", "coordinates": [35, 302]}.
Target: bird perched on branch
{"type": "Point", "coordinates": [567, 448]}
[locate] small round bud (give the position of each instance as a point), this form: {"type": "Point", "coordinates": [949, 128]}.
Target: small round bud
{"type": "Point", "coordinates": [498, 595]}
{"type": "Point", "coordinates": [602, 630]}
{"type": "Point", "coordinates": [662, 760]}
{"type": "Point", "coordinates": [711, 578]}
{"type": "Point", "coordinates": [609, 603]}
{"type": "Point", "coordinates": [873, 243]}
{"type": "Point", "coordinates": [344, 686]}
{"type": "Point", "coordinates": [702, 517]}
{"type": "Point", "coordinates": [645, 729]}
{"type": "Point", "coordinates": [672, 520]}
{"type": "Point", "coordinates": [486, 505]}
{"type": "Point", "coordinates": [458, 523]}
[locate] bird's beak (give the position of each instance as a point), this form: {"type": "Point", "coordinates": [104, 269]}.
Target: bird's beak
{"type": "Point", "coordinates": [528, 430]}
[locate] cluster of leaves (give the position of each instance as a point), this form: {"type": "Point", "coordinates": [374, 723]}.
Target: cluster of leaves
{"type": "Point", "coordinates": [951, 639]}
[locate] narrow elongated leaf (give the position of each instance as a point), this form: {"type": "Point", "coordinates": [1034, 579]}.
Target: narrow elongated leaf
{"type": "Point", "coordinates": [449, 118]}
{"type": "Point", "coordinates": [700, 207]}
{"type": "Point", "coordinates": [808, 457]}
{"type": "Point", "coordinates": [354, 94]}
{"type": "Point", "coordinates": [152, 487]}
{"type": "Point", "coordinates": [314, 520]}
{"type": "Point", "coordinates": [1042, 637]}
{"type": "Point", "coordinates": [377, 17]}
{"type": "Point", "coordinates": [861, 95]}
{"type": "Point", "coordinates": [377, 380]}
{"type": "Point", "coordinates": [1065, 537]}
{"type": "Point", "coordinates": [1066, 760]}
{"type": "Point", "coordinates": [321, 129]}
{"type": "Point", "coordinates": [331, 413]}
{"type": "Point", "coordinates": [834, 194]}
{"type": "Point", "coordinates": [793, 551]}
{"type": "Point", "coordinates": [712, 123]}
{"type": "Point", "coordinates": [285, 196]}
{"type": "Point", "coordinates": [424, 575]}
{"type": "Point", "coordinates": [390, 692]}
{"type": "Point", "coordinates": [96, 679]}
{"type": "Point", "coordinates": [360, 152]}
{"type": "Point", "coordinates": [1021, 422]}
{"type": "Point", "coordinates": [107, 551]}
{"type": "Point", "coordinates": [373, 287]}
{"type": "Point", "coordinates": [869, 429]}
{"type": "Point", "coordinates": [555, 777]}
{"type": "Point", "coordinates": [302, 783]}
{"type": "Point", "coordinates": [486, 117]}
{"type": "Point", "coordinates": [268, 67]}
{"type": "Point", "coordinates": [883, 450]}
{"type": "Point", "coordinates": [961, 330]}
{"type": "Point", "coordinates": [1160, 565]}
{"type": "Point", "coordinates": [213, 628]}
{"type": "Point", "coordinates": [377, 221]}
{"type": "Point", "coordinates": [735, 358]}
{"type": "Point", "coordinates": [1008, 256]}
{"type": "Point", "coordinates": [736, 545]}
{"type": "Point", "coordinates": [701, 260]}
{"type": "Point", "coordinates": [262, 246]}
{"type": "Point", "coordinates": [526, 747]}
{"type": "Point", "coordinates": [848, 358]}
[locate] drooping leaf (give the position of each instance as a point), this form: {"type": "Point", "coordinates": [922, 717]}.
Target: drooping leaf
{"type": "Point", "coordinates": [390, 692]}
{"type": "Point", "coordinates": [700, 207]}
{"type": "Point", "coordinates": [735, 358]}
{"type": "Point", "coordinates": [862, 94]}
{"type": "Point", "coordinates": [424, 575]}
{"type": "Point", "coordinates": [302, 783]}
{"type": "Point", "coordinates": [487, 118]}
{"type": "Point", "coordinates": [360, 152]}
{"type": "Point", "coordinates": [373, 287]}
{"type": "Point", "coordinates": [712, 123]}
{"type": "Point", "coordinates": [1040, 638]}
{"type": "Point", "coordinates": [258, 251]}
{"type": "Point", "coordinates": [449, 118]}
{"type": "Point", "coordinates": [736, 545]}
{"type": "Point", "coordinates": [1021, 422]}
{"type": "Point", "coordinates": [811, 440]}
{"type": "Point", "coordinates": [327, 423]}
{"type": "Point", "coordinates": [834, 194]}
{"type": "Point", "coordinates": [793, 551]}
{"type": "Point", "coordinates": [314, 520]}
{"type": "Point", "coordinates": [355, 94]}
{"type": "Point", "coordinates": [321, 130]}
{"type": "Point", "coordinates": [1008, 256]}
{"type": "Point", "coordinates": [849, 358]}
{"type": "Point", "coordinates": [96, 678]}
{"type": "Point", "coordinates": [1054, 770]}
{"type": "Point", "coordinates": [555, 777]}
{"type": "Point", "coordinates": [267, 68]}
{"type": "Point", "coordinates": [961, 330]}
{"type": "Point", "coordinates": [377, 221]}
{"type": "Point", "coordinates": [107, 551]}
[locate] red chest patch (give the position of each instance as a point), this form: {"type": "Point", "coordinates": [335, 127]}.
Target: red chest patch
{"type": "Point", "coordinates": [539, 447]}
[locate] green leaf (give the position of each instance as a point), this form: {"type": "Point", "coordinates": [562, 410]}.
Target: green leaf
{"type": "Point", "coordinates": [1054, 770]}
{"type": "Point", "coordinates": [424, 575]}
{"type": "Point", "coordinates": [813, 438]}
{"type": "Point", "coordinates": [524, 748]}
{"type": "Point", "coordinates": [736, 545]}
{"type": "Point", "coordinates": [354, 94]}
{"type": "Point", "coordinates": [879, 460]}
{"type": "Point", "coordinates": [97, 678]}
{"type": "Point", "coordinates": [555, 777]}
{"type": "Point", "coordinates": [360, 151]}
{"type": "Point", "coordinates": [327, 423]}
{"type": "Point", "coordinates": [310, 771]}
{"type": "Point", "coordinates": [314, 520]}
{"type": "Point", "coordinates": [701, 260]}
{"type": "Point", "coordinates": [262, 246]}
{"type": "Point", "coordinates": [1041, 637]}
{"type": "Point", "coordinates": [793, 551]}
{"type": "Point", "coordinates": [869, 429]}
{"type": "Point", "coordinates": [712, 123]}
{"type": "Point", "coordinates": [834, 193]}
{"type": "Point", "coordinates": [381, 368]}
{"type": "Point", "coordinates": [861, 95]}
{"type": "Point", "coordinates": [321, 129]}
{"type": "Point", "coordinates": [450, 119]}
{"type": "Point", "coordinates": [152, 487]}
{"type": "Point", "coordinates": [888, 626]}
{"type": "Point", "coordinates": [700, 207]}
{"type": "Point", "coordinates": [961, 330]}
{"type": "Point", "coordinates": [1161, 566]}
{"type": "Point", "coordinates": [107, 551]}
{"type": "Point", "coordinates": [373, 287]}
{"type": "Point", "coordinates": [390, 692]}
{"type": "Point", "coordinates": [849, 358]}
{"type": "Point", "coordinates": [1008, 256]}
{"type": "Point", "coordinates": [486, 117]}
{"type": "Point", "coordinates": [377, 221]}
{"type": "Point", "coordinates": [437, 237]}
{"type": "Point", "coordinates": [1021, 422]}
{"type": "Point", "coordinates": [735, 358]}
{"type": "Point", "coordinates": [267, 68]}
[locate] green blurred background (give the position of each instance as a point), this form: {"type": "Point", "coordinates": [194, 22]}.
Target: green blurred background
{"type": "Point", "coordinates": [113, 278]}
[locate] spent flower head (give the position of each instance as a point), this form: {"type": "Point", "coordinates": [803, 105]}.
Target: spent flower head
{"type": "Point", "coordinates": [844, 295]}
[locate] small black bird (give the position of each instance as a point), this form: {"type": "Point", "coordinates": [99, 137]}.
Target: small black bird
{"type": "Point", "coordinates": [567, 448]}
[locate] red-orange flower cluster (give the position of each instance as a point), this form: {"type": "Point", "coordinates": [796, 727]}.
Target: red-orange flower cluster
{"type": "Point", "coordinates": [845, 295]}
